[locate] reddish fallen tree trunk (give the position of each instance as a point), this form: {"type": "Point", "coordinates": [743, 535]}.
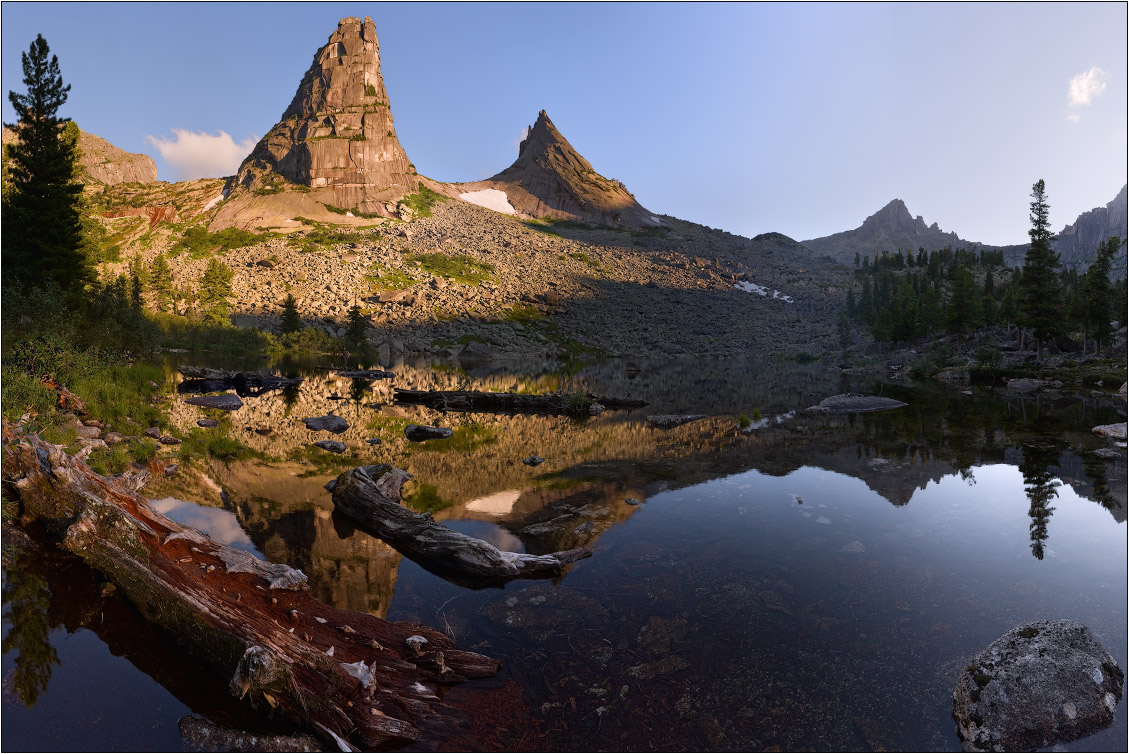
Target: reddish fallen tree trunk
{"type": "Point", "coordinates": [347, 675]}
{"type": "Point", "coordinates": [370, 495]}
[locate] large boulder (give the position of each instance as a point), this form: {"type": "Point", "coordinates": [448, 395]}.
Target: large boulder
{"type": "Point", "coordinates": [420, 433]}
{"type": "Point", "coordinates": [328, 423]}
{"type": "Point", "coordinates": [1037, 685]}
{"type": "Point", "coordinates": [1112, 431]}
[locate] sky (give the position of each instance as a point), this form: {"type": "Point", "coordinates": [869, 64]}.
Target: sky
{"type": "Point", "coordinates": [801, 119]}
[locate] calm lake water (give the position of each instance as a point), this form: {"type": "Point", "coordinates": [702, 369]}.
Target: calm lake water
{"type": "Point", "coordinates": [816, 584]}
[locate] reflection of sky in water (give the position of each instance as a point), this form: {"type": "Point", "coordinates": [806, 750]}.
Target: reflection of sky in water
{"type": "Point", "coordinates": [498, 504]}
{"type": "Point", "coordinates": [220, 525]}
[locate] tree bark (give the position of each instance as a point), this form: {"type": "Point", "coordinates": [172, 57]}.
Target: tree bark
{"type": "Point", "coordinates": [370, 495]}
{"type": "Point", "coordinates": [345, 675]}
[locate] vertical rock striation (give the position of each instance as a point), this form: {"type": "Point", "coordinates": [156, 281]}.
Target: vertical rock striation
{"type": "Point", "coordinates": [335, 145]}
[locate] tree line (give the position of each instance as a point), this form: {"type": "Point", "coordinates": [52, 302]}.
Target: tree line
{"type": "Point", "coordinates": [905, 296]}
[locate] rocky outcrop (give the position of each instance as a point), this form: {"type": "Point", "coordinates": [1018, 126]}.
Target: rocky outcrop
{"type": "Point", "coordinates": [1078, 242]}
{"type": "Point", "coordinates": [101, 162]}
{"type": "Point", "coordinates": [889, 229]}
{"type": "Point", "coordinates": [335, 147]}
{"type": "Point", "coordinates": [551, 179]}
{"type": "Point", "coordinates": [1035, 686]}
{"type": "Point", "coordinates": [852, 403]}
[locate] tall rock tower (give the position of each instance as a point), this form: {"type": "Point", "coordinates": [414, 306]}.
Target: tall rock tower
{"type": "Point", "coordinates": [335, 144]}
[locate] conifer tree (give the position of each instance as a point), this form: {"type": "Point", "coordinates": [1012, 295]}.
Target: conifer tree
{"type": "Point", "coordinates": [161, 280]}
{"type": "Point", "coordinates": [1096, 307]}
{"type": "Point", "coordinates": [355, 340]}
{"type": "Point", "coordinates": [963, 314]}
{"type": "Point", "coordinates": [1041, 290]}
{"type": "Point", "coordinates": [291, 321]}
{"type": "Point", "coordinates": [42, 230]}
{"type": "Point", "coordinates": [215, 287]}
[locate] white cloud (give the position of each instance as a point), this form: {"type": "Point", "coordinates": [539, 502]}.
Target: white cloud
{"type": "Point", "coordinates": [1085, 86]}
{"type": "Point", "coordinates": [202, 155]}
{"type": "Point", "coordinates": [1073, 117]}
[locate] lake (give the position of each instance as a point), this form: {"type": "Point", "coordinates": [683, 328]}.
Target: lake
{"type": "Point", "coordinates": [816, 583]}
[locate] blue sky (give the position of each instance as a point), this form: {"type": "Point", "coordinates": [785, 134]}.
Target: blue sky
{"type": "Point", "coordinates": [797, 118]}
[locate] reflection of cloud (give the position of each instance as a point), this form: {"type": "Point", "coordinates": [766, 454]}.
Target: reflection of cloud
{"type": "Point", "coordinates": [1085, 86]}
{"type": "Point", "coordinates": [1073, 117]}
{"type": "Point", "coordinates": [498, 504]}
{"type": "Point", "coordinates": [202, 155]}
{"type": "Point", "coordinates": [219, 525]}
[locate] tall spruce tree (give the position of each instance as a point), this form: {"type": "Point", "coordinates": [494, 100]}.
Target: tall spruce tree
{"type": "Point", "coordinates": [161, 280]}
{"type": "Point", "coordinates": [1041, 289]}
{"type": "Point", "coordinates": [1097, 294]}
{"type": "Point", "coordinates": [42, 228]}
{"type": "Point", "coordinates": [291, 320]}
{"type": "Point", "coordinates": [215, 287]}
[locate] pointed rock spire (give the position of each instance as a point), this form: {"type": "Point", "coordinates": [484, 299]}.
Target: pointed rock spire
{"type": "Point", "coordinates": [551, 179]}
{"type": "Point", "coordinates": [336, 139]}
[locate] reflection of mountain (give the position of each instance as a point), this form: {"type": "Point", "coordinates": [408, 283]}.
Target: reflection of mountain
{"type": "Point", "coordinates": [592, 467]}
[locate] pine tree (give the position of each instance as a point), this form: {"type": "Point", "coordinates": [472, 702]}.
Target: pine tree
{"type": "Point", "coordinates": [161, 281]}
{"type": "Point", "coordinates": [1096, 308]}
{"type": "Point", "coordinates": [291, 321]}
{"type": "Point", "coordinates": [844, 330]}
{"type": "Point", "coordinates": [42, 230]}
{"type": "Point", "coordinates": [215, 287]}
{"type": "Point", "coordinates": [355, 340]}
{"type": "Point", "coordinates": [1041, 290]}
{"type": "Point", "coordinates": [963, 314]}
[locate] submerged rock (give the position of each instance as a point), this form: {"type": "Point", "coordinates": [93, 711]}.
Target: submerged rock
{"type": "Point", "coordinates": [533, 460]}
{"type": "Point", "coordinates": [419, 433]}
{"type": "Point", "coordinates": [225, 402]}
{"type": "Point", "coordinates": [200, 735]}
{"type": "Point", "coordinates": [1037, 685]}
{"type": "Point", "coordinates": [1026, 385]}
{"type": "Point", "coordinates": [331, 445]}
{"type": "Point", "coordinates": [849, 403]}
{"type": "Point", "coordinates": [328, 423]}
{"type": "Point", "coordinates": [367, 374]}
{"type": "Point", "coordinates": [207, 423]}
{"type": "Point", "coordinates": [1112, 431]}
{"type": "Point", "coordinates": [670, 421]}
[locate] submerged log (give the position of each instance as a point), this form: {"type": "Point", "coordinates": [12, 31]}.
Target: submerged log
{"type": "Point", "coordinates": [579, 403]}
{"type": "Point", "coordinates": [370, 495]}
{"type": "Point", "coordinates": [345, 675]}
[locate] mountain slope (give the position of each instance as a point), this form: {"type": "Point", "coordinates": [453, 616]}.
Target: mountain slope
{"type": "Point", "coordinates": [889, 229]}
{"type": "Point", "coordinates": [101, 162]}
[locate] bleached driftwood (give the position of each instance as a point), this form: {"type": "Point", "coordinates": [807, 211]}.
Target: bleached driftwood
{"type": "Point", "coordinates": [370, 495]}
{"type": "Point", "coordinates": [348, 676]}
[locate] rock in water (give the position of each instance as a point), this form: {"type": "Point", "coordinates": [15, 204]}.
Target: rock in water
{"type": "Point", "coordinates": [225, 402]}
{"type": "Point", "coordinates": [533, 460]}
{"type": "Point", "coordinates": [328, 423]}
{"type": "Point", "coordinates": [419, 433]}
{"type": "Point", "coordinates": [337, 138]}
{"type": "Point", "coordinates": [331, 445]}
{"type": "Point", "coordinates": [1112, 431]}
{"type": "Point", "coordinates": [1035, 686]}
{"type": "Point", "coordinates": [849, 403]}
{"type": "Point", "coordinates": [670, 421]}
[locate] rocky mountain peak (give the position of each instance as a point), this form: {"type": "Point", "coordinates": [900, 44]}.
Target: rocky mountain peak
{"type": "Point", "coordinates": [336, 139]}
{"type": "Point", "coordinates": [99, 161]}
{"type": "Point", "coordinates": [551, 179]}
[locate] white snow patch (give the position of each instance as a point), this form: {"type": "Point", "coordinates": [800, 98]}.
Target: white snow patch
{"type": "Point", "coordinates": [761, 290]}
{"type": "Point", "coordinates": [214, 202]}
{"type": "Point", "coordinates": [490, 199]}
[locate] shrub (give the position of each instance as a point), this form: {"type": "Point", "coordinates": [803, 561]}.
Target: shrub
{"type": "Point", "coordinates": [459, 268]}
{"type": "Point", "coordinates": [422, 201]}
{"type": "Point", "coordinates": [198, 242]}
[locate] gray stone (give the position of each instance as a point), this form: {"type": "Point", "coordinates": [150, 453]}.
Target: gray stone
{"type": "Point", "coordinates": [1107, 453]}
{"type": "Point", "coordinates": [328, 423]}
{"type": "Point", "coordinates": [84, 432]}
{"type": "Point", "coordinates": [1035, 686]}
{"type": "Point", "coordinates": [1112, 431]}
{"type": "Point", "coordinates": [373, 441]}
{"type": "Point", "coordinates": [168, 440]}
{"type": "Point", "coordinates": [333, 446]}
{"type": "Point", "coordinates": [633, 501]}
{"type": "Point", "coordinates": [225, 402]}
{"type": "Point", "coordinates": [207, 423]}
{"type": "Point", "coordinates": [533, 460]}
{"type": "Point", "coordinates": [154, 432]}
{"type": "Point", "coordinates": [669, 421]}
{"type": "Point", "coordinates": [419, 433]}
{"type": "Point", "coordinates": [849, 403]}
{"type": "Point", "coordinates": [1026, 385]}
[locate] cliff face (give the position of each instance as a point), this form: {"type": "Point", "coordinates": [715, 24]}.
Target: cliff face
{"type": "Point", "coordinates": [335, 145]}
{"type": "Point", "coordinates": [1078, 242]}
{"type": "Point", "coordinates": [889, 229]}
{"type": "Point", "coordinates": [551, 179]}
{"type": "Point", "coordinates": [101, 162]}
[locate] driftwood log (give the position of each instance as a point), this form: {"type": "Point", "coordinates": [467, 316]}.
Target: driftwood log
{"type": "Point", "coordinates": [345, 675]}
{"type": "Point", "coordinates": [370, 495]}
{"type": "Point", "coordinates": [552, 403]}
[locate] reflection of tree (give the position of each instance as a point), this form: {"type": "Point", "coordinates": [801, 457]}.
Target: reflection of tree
{"type": "Point", "coordinates": [1095, 468]}
{"type": "Point", "coordinates": [359, 390]}
{"type": "Point", "coordinates": [1041, 487]}
{"type": "Point", "coordinates": [26, 599]}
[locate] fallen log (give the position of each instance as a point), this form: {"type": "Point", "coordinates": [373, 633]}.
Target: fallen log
{"type": "Point", "coordinates": [345, 675]}
{"type": "Point", "coordinates": [576, 404]}
{"type": "Point", "coordinates": [370, 495]}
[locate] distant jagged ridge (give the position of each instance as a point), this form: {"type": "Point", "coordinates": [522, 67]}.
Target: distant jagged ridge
{"type": "Point", "coordinates": [101, 162]}
{"type": "Point", "coordinates": [1078, 242]}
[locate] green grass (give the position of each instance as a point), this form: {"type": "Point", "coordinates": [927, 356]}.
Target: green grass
{"type": "Point", "coordinates": [422, 202]}
{"type": "Point", "coordinates": [580, 256]}
{"type": "Point", "coordinates": [319, 462]}
{"type": "Point", "coordinates": [342, 210]}
{"type": "Point", "coordinates": [388, 279]}
{"type": "Point", "coordinates": [425, 499]}
{"type": "Point", "coordinates": [458, 268]}
{"type": "Point", "coordinates": [524, 313]}
{"type": "Point", "coordinates": [208, 443]}
{"type": "Point", "coordinates": [198, 242]}
{"type": "Point", "coordinates": [465, 440]}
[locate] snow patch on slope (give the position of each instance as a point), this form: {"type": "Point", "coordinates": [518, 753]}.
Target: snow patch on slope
{"type": "Point", "coordinates": [490, 199]}
{"type": "Point", "coordinates": [762, 290]}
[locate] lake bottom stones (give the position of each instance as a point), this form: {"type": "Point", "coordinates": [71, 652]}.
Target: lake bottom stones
{"type": "Point", "coordinates": [1037, 685]}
